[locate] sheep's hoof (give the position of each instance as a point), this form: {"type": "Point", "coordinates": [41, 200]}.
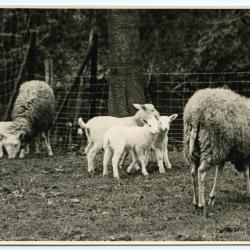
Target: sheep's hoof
{"type": "Point", "coordinates": [169, 166]}
{"type": "Point", "coordinates": [117, 177]}
{"type": "Point", "coordinates": [162, 171]}
{"type": "Point", "coordinates": [201, 210]}
{"type": "Point", "coordinates": [145, 174]}
{"type": "Point", "coordinates": [211, 200]}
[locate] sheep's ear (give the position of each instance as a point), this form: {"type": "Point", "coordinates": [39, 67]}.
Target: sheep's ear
{"type": "Point", "coordinates": [173, 117]}
{"type": "Point", "coordinates": [137, 106]}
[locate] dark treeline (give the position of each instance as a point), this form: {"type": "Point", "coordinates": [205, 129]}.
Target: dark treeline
{"type": "Point", "coordinates": [171, 40]}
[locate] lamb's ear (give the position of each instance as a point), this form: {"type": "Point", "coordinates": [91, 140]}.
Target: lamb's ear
{"type": "Point", "coordinates": [173, 117]}
{"type": "Point", "coordinates": [137, 106]}
{"type": "Point", "coordinates": [2, 136]}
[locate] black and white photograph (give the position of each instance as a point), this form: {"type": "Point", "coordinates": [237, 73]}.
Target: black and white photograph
{"type": "Point", "coordinates": [124, 125]}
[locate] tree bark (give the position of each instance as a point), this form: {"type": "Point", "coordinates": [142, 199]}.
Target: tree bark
{"type": "Point", "coordinates": [125, 79]}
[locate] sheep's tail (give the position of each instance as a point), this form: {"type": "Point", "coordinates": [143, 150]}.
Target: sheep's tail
{"type": "Point", "coordinates": [84, 126]}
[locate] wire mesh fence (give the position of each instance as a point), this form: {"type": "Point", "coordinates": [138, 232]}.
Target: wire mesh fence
{"type": "Point", "coordinates": [169, 92]}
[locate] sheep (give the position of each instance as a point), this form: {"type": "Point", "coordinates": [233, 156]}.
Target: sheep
{"type": "Point", "coordinates": [33, 113]}
{"type": "Point", "coordinates": [160, 143]}
{"type": "Point", "coordinates": [96, 127]}
{"type": "Point", "coordinates": [216, 130]}
{"type": "Point", "coordinates": [135, 139]}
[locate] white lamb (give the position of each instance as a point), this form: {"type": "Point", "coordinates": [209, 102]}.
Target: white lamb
{"type": "Point", "coordinates": [96, 127]}
{"type": "Point", "coordinates": [160, 143]}
{"type": "Point", "coordinates": [137, 140]}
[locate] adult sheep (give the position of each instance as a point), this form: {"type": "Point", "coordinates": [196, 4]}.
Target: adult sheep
{"type": "Point", "coordinates": [216, 130]}
{"type": "Point", "coordinates": [33, 113]}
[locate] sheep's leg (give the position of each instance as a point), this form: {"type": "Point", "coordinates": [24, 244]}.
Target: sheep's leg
{"type": "Point", "coordinates": [115, 161]}
{"type": "Point", "coordinates": [134, 161]}
{"type": "Point", "coordinates": [247, 175]}
{"type": "Point", "coordinates": [159, 156]}
{"type": "Point", "coordinates": [37, 144]}
{"type": "Point", "coordinates": [194, 176]}
{"type": "Point", "coordinates": [201, 185]}
{"type": "Point", "coordinates": [88, 147]}
{"type": "Point", "coordinates": [1, 150]}
{"type": "Point", "coordinates": [22, 153]}
{"type": "Point", "coordinates": [141, 157]}
{"type": "Point", "coordinates": [46, 136]}
{"type": "Point", "coordinates": [165, 156]}
{"type": "Point", "coordinates": [106, 159]}
{"type": "Point", "coordinates": [122, 161]}
{"type": "Point", "coordinates": [218, 173]}
{"type": "Point", "coordinates": [91, 156]}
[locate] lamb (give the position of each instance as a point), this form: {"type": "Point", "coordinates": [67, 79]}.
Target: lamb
{"type": "Point", "coordinates": [161, 142]}
{"type": "Point", "coordinates": [135, 139]}
{"type": "Point", "coordinates": [33, 113]}
{"type": "Point", "coordinates": [96, 127]}
{"type": "Point", "coordinates": [216, 130]}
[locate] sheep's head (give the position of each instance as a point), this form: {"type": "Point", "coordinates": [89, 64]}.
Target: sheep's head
{"type": "Point", "coordinates": [11, 143]}
{"type": "Point", "coordinates": [152, 124]}
{"type": "Point", "coordinates": [165, 122]}
{"type": "Point", "coordinates": [146, 111]}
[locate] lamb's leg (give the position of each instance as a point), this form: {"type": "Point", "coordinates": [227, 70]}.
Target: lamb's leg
{"type": "Point", "coordinates": [106, 159]}
{"type": "Point", "coordinates": [90, 144]}
{"type": "Point", "coordinates": [247, 175]}
{"type": "Point", "coordinates": [134, 161]}
{"type": "Point", "coordinates": [141, 157]}
{"type": "Point", "coordinates": [115, 161]}
{"type": "Point", "coordinates": [123, 159]}
{"type": "Point", "coordinates": [159, 156]}
{"type": "Point", "coordinates": [194, 176]}
{"type": "Point", "coordinates": [218, 173]}
{"type": "Point", "coordinates": [91, 156]}
{"type": "Point", "coordinates": [201, 184]}
{"type": "Point", "coordinates": [46, 137]}
{"type": "Point", "coordinates": [1, 150]}
{"type": "Point", "coordinates": [165, 156]}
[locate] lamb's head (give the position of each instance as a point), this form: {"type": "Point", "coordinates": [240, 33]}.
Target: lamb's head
{"type": "Point", "coordinates": [146, 111]}
{"type": "Point", "coordinates": [165, 122]}
{"type": "Point", "coordinates": [152, 125]}
{"type": "Point", "coordinates": [12, 143]}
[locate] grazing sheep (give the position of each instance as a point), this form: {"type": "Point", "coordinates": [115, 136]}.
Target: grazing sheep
{"type": "Point", "coordinates": [33, 113]}
{"type": "Point", "coordinates": [135, 139]}
{"type": "Point", "coordinates": [96, 127]}
{"type": "Point", "coordinates": [216, 130]}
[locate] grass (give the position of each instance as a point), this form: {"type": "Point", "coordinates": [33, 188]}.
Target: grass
{"type": "Point", "coordinates": [56, 199]}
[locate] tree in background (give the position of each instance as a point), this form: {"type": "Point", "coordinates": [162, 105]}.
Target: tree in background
{"type": "Point", "coordinates": [124, 61]}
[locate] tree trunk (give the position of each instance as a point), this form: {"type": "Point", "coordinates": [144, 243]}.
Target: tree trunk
{"type": "Point", "coordinates": [125, 79]}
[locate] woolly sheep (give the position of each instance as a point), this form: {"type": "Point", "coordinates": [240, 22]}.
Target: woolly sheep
{"type": "Point", "coordinates": [96, 127]}
{"type": "Point", "coordinates": [216, 130]}
{"type": "Point", "coordinates": [33, 113]}
{"type": "Point", "coordinates": [135, 139]}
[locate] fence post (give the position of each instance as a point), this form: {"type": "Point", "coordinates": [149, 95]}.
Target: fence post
{"type": "Point", "coordinates": [32, 56]}
{"type": "Point", "coordinates": [93, 73]}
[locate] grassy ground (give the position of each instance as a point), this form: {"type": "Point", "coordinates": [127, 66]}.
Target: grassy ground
{"type": "Point", "coordinates": [56, 199]}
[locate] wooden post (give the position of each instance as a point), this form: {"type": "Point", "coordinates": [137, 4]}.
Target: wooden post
{"type": "Point", "coordinates": [32, 56]}
{"type": "Point", "coordinates": [48, 66]}
{"type": "Point", "coordinates": [77, 78]}
{"type": "Point", "coordinates": [93, 72]}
